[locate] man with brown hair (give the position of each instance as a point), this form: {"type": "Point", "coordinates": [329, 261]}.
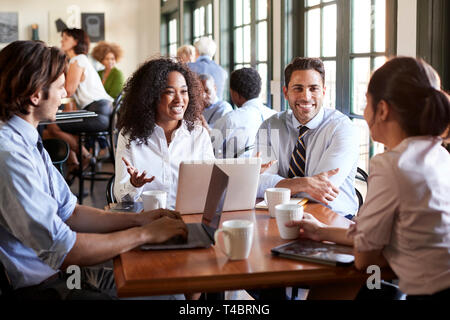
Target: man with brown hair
{"type": "Point", "coordinates": [317, 148]}
{"type": "Point", "coordinates": [42, 228]}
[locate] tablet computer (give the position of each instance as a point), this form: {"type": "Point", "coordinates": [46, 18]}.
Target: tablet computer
{"type": "Point", "coordinates": [318, 252]}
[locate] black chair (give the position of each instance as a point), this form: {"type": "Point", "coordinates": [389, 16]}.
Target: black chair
{"type": "Point", "coordinates": [59, 152]}
{"type": "Point", "coordinates": [111, 135]}
{"type": "Point", "coordinates": [361, 175]}
{"type": "Point", "coordinates": [110, 198]}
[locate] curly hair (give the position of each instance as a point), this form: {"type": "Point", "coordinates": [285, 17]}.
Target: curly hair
{"type": "Point", "coordinates": [142, 95]}
{"type": "Point", "coordinates": [27, 67]}
{"type": "Point", "coordinates": [247, 82]}
{"type": "Point", "coordinates": [103, 48]}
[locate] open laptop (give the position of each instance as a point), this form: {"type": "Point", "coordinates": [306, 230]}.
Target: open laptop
{"type": "Point", "coordinates": [193, 179]}
{"type": "Point", "coordinates": [201, 235]}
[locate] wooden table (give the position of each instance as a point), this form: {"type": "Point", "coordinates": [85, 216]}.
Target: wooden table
{"type": "Point", "coordinates": [144, 273]}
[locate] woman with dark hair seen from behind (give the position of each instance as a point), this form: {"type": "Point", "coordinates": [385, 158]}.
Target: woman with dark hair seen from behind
{"type": "Point", "coordinates": [160, 127]}
{"type": "Point", "coordinates": [84, 85]}
{"type": "Point", "coordinates": [405, 220]}
{"type": "Point", "coordinates": [109, 54]}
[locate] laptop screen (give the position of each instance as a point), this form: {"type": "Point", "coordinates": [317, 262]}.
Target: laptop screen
{"type": "Point", "coordinates": [214, 201]}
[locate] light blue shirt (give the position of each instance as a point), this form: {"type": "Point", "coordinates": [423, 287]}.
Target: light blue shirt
{"type": "Point", "coordinates": [205, 65]}
{"type": "Point", "coordinates": [216, 111]}
{"type": "Point", "coordinates": [237, 130]}
{"type": "Point", "coordinates": [34, 240]}
{"type": "Point", "coordinates": [332, 141]}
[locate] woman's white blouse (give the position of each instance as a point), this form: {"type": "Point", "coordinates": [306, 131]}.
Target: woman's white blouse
{"type": "Point", "coordinates": [407, 214]}
{"type": "Point", "coordinates": [159, 160]}
{"type": "Point", "coordinates": [91, 88]}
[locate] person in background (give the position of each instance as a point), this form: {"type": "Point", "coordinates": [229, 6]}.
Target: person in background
{"type": "Point", "coordinates": [84, 85]}
{"type": "Point", "coordinates": [186, 53]}
{"type": "Point", "coordinates": [159, 127]}
{"type": "Point", "coordinates": [109, 54]}
{"type": "Point", "coordinates": [43, 230]}
{"type": "Point", "coordinates": [317, 148]}
{"type": "Point", "coordinates": [238, 128]}
{"type": "Point", "coordinates": [205, 49]}
{"type": "Point", "coordinates": [405, 219]}
{"type": "Point", "coordinates": [214, 108]}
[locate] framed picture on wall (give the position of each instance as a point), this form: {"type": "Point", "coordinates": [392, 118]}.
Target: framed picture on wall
{"type": "Point", "coordinates": [94, 25]}
{"type": "Point", "coordinates": [9, 27]}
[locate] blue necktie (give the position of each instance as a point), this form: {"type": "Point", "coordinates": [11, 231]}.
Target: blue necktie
{"type": "Point", "coordinates": [40, 147]}
{"type": "Point", "coordinates": [298, 158]}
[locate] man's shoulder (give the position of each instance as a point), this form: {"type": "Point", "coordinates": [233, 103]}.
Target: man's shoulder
{"type": "Point", "coordinates": [278, 119]}
{"type": "Point", "coordinates": [9, 140]}
{"type": "Point", "coordinates": [335, 118]}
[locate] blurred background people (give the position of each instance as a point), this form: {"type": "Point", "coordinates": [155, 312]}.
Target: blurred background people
{"type": "Point", "coordinates": [205, 49]}
{"type": "Point", "coordinates": [84, 85]}
{"type": "Point", "coordinates": [214, 108]}
{"type": "Point", "coordinates": [186, 53]}
{"type": "Point", "coordinates": [239, 127]}
{"type": "Point", "coordinates": [109, 54]}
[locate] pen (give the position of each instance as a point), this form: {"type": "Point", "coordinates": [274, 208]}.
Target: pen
{"type": "Point", "coordinates": [303, 202]}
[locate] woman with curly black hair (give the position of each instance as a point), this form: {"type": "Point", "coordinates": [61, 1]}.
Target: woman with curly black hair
{"type": "Point", "coordinates": [160, 127]}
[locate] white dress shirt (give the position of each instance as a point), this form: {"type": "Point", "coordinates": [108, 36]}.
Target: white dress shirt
{"type": "Point", "coordinates": [407, 214]}
{"type": "Point", "coordinates": [332, 141]}
{"type": "Point", "coordinates": [216, 111]}
{"type": "Point", "coordinates": [159, 160]}
{"type": "Point", "coordinates": [237, 129]}
{"type": "Point", "coordinates": [91, 88]}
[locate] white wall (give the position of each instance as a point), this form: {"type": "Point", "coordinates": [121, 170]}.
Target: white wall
{"type": "Point", "coordinates": [407, 28]}
{"type": "Point", "coordinates": [133, 24]}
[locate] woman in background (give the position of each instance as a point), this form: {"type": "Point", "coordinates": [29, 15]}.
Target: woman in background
{"type": "Point", "coordinates": [109, 54]}
{"type": "Point", "coordinates": [160, 127]}
{"type": "Point", "coordinates": [405, 220]}
{"type": "Point", "coordinates": [85, 86]}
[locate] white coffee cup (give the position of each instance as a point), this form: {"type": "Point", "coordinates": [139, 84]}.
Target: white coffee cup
{"type": "Point", "coordinates": [285, 213]}
{"type": "Point", "coordinates": [237, 237]}
{"type": "Point", "coordinates": [275, 196]}
{"type": "Point", "coordinates": [154, 199]}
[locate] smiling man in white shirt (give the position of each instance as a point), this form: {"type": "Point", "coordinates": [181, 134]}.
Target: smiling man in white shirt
{"type": "Point", "coordinates": [317, 148]}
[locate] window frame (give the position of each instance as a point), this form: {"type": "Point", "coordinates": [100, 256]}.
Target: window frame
{"type": "Point", "coordinates": [296, 32]}
{"type": "Point", "coordinates": [229, 59]}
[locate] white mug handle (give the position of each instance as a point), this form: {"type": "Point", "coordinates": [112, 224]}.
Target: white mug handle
{"type": "Point", "coordinates": [265, 199]}
{"type": "Point", "coordinates": [216, 239]}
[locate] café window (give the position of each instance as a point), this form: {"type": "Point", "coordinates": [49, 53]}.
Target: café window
{"type": "Point", "coordinates": [353, 38]}
{"type": "Point", "coordinates": [252, 40]}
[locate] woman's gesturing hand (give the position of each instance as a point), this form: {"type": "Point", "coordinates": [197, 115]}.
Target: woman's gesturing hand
{"type": "Point", "coordinates": [136, 179]}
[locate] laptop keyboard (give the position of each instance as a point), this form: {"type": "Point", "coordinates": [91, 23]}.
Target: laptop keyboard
{"type": "Point", "coordinates": [195, 234]}
{"type": "Point", "coordinates": [178, 239]}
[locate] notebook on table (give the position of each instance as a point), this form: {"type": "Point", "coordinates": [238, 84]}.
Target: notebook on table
{"type": "Point", "coordinates": [318, 252]}
{"type": "Point", "coordinates": [201, 235]}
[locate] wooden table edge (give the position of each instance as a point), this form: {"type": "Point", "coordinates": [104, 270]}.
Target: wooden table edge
{"type": "Point", "coordinates": [213, 283]}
